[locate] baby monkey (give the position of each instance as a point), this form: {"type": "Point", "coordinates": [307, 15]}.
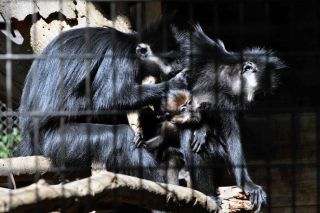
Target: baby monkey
{"type": "Point", "coordinates": [179, 113]}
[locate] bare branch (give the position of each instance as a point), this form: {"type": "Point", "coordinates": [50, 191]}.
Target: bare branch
{"type": "Point", "coordinates": [126, 188]}
{"type": "Point", "coordinates": [105, 187]}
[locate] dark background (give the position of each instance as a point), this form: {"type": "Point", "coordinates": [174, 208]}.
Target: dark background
{"type": "Point", "coordinates": [288, 27]}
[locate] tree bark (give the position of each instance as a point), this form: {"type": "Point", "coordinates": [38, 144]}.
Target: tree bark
{"type": "Point", "coordinates": [106, 186]}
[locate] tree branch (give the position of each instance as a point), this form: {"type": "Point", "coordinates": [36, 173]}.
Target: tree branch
{"type": "Point", "coordinates": [108, 188]}
{"type": "Point", "coordinates": [102, 188]}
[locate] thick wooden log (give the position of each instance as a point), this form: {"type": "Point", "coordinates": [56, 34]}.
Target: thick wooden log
{"type": "Point", "coordinates": [108, 188]}
{"type": "Point", "coordinates": [233, 199]}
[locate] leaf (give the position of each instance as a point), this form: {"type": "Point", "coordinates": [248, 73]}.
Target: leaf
{"type": "Point", "coordinates": [4, 139]}
{"type": "Point", "coordinates": [15, 131]}
{"type": "Point", "coordinates": [4, 152]}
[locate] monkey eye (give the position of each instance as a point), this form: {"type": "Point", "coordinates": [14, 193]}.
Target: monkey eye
{"type": "Point", "coordinates": [183, 109]}
{"type": "Point", "coordinates": [249, 67]}
{"type": "Point", "coordinates": [143, 50]}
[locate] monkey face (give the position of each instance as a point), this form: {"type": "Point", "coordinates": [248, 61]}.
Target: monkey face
{"type": "Point", "coordinates": [180, 108]}
{"type": "Point", "coordinates": [184, 114]}
{"type": "Point", "coordinates": [266, 66]}
{"type": "Point", "coordinates": [256, 71]}
{"type": "Point", "coordinates": [240, 80]}
{"type": "Point", "coordinates": [249, 80]}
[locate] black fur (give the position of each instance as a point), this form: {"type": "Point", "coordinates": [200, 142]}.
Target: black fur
{"type": "Point", "coordinates": [215, 72]}
{"type": "Point", "coordinates": [222, 83]}
{"type": "Point", "coordinates": [110, 80]}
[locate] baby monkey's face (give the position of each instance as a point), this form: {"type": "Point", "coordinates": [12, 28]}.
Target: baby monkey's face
{"type": "Point", "coordinates": [179, 107]}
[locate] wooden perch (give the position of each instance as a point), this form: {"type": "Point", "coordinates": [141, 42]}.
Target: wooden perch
{"type": "Point", "coordinates": [105, 185]}
{"type": "Point", "coordinates": [24, 170]}
{"type": "Point", "coordinates": [108, 188]}
{"type": "Point", "coordinates": [27, 170]}
{"type": "Point", "coordinates": [24, 165]}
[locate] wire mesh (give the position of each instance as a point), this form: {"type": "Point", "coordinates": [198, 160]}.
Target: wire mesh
{"type": "Point", "coordinates": [281, 132]}
{"type": "Point", "coordinates": [7, 122]}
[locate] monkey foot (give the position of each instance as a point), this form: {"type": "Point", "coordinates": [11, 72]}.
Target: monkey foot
{"type": "Point", "coordinates": [258, 197]}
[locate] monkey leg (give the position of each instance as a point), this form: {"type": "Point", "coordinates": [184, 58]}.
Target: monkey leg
{"type": "Point", "coordinates": [134, 117]}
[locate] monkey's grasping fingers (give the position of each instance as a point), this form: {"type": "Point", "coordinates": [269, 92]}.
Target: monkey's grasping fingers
{"type": "Point", "coordinates": [138, 140]}
{"type": "Point", "coordinates": [258, 197]}
{"type": "Point", "coordinates": [199, 139]}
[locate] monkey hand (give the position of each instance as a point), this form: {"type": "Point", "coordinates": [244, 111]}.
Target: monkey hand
{"type": "Point", "coordinates": [180, 81]}
{"type": "Point", "coordinates": [138, 140]}
{"type": "Point", "coordinates": [200, 137]}
{"type": "Point", "coordinates": [258, 197]}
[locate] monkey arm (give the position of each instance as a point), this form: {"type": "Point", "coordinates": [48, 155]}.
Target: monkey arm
{"type": "Point", "coordinates": [167, 133]}
{"type": "Point", "coordinates": [154, 143]}
{"type": "Point", "coordinates": [238, 163]}
{"type": "Point", "coordinates": [134, 117]}
{"type": "Point", "coordinates": [123, 94]}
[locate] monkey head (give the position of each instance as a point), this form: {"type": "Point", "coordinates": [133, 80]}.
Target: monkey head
{"type": "Point", "coordinates": [179, 108]}
{"type": "Point", "coordinates": [255, 72]}
{"type": "Point", "coordinates": [264, 66]}
{"type": "Point", "coordinates": [239, 74]}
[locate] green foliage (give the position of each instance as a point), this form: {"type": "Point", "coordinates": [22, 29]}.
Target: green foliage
{"type": "Point", "coordinates": [9, 142]}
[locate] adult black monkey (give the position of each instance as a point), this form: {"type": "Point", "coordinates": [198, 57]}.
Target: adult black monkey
{"type": "Point", "coordinates": [222, 84]}
{"type": "Point", "coordinates": [110, 80]}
